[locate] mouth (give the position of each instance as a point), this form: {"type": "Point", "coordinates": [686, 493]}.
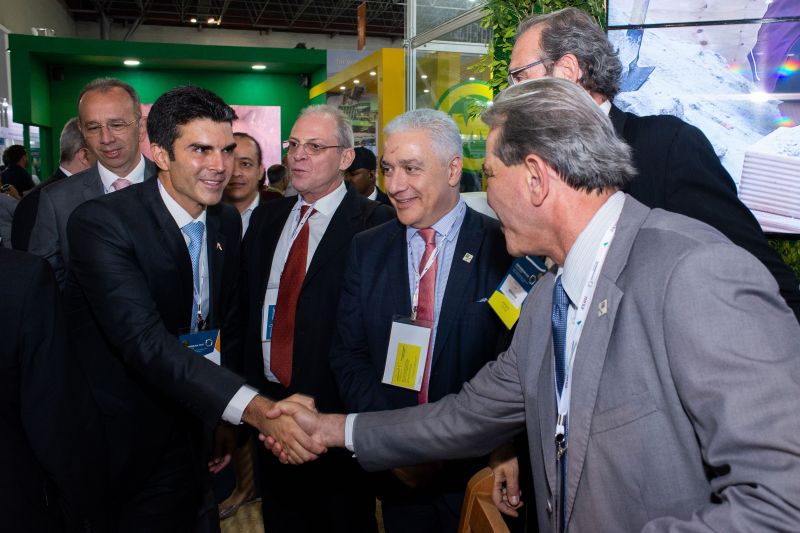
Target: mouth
{"type": "Point", "coordinates": [402, 203]}
{"type": "Point", "coordinates": [213, 184]}
{"type": "Point", "coordinates": [112, 154]}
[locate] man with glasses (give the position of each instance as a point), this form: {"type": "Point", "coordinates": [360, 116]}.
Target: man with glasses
{"type": "Point", "coordinates": [293, 262]}
{"type": "Point", "coordinates": [677, 167]}
{"type": "Point", "coordinates": [110, 118]}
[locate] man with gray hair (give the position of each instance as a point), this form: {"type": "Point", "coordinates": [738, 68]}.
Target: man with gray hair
{"type": "Point", "coordinates": [293, 260]}
{"type": "Point", "coordinates": [75, 157]}
{"type": "Point", "coordinates": [110, 119]}
{"type": "Point", "coordinates": [436, 266]}
{"type": "Point", "coordinates": [654, 368]}
{"type": "Point", "coordinates": [677, 167]}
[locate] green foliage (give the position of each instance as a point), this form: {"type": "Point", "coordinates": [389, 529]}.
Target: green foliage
{"type": "Point", "coordinates": [789, 252]}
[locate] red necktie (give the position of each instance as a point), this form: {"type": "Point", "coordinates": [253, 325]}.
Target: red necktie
{"type": "Point", "coordinates": [427, 300]}
{"type": "Point", "coordinates": [294, 272]}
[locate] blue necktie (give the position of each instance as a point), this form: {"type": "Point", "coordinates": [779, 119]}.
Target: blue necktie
{"type": "Point", "coordinates": [559, 318]}
{"type": "Point", "coordinates": [194, 230]}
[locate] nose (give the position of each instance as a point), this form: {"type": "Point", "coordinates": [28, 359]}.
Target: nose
{"type": "Point", "coordinates": [216, 160]}
{"type": "Point", "coordinates": [106, 136]}
{"type": "Point", "coordinates": [395, 183]}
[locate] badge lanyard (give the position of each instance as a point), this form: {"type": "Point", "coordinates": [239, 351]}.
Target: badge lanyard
{"type": "Point", "coordinates": [418, 275]}
{"type": "Point", "coordinates": [578, 322]}
{"type": "Point", "coordinates": [197, 292]}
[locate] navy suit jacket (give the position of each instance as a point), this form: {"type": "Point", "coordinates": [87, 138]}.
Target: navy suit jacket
{"type": "Point", "coordinates": [376, 289]}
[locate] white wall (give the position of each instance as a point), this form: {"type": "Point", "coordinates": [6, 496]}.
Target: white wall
{"type": "Point", "coordinates": [224, 37]}
{"type": "Point", "coordinates": [19, 16]}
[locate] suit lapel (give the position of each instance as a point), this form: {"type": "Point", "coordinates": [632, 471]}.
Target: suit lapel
{"type": "Point", "coordinates": [593, 345]}
{"type": "Point", "coordinates": [545, 390]}
{"type": "Point", "coordinates": [215, 246]}
{"type": "Point", "coordinates": [618, 119]}
{"type": "Point", "coordinates": [397, 268]}
{"type": "Point", "coordinates": [93, 185]}
{"type": "Point", "coordinates": [470, 239]}
{"type": "Point", "coordinates": [343, 225]}
{"type": "Point", "coordinates": [267, 240]}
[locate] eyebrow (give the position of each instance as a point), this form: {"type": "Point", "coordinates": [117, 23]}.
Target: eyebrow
{"type": "Point", "coordinates": [230, 147]}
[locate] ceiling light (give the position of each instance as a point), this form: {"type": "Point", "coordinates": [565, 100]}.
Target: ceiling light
{"type": "Point", "coordinates": [259, 67]}
{"type": "Point", "coordinates": [424, 76]}
{"type": "Point", "coordinates": [373, 73]}
{"type": "Point", "coordinates": [472, 78]}
{"type": "Point", "coordinates": [342, 87]}
{"type": "Point", "coordinates": [426, 91]}
{"type": "Point", "coordinates": [131, 62]}
{"type": "Point", "coordinates": [193, 20]}
{"type": "Point", "coordinates": [212, 20]}
{"type": "Point", "coordinates": [356, 82]}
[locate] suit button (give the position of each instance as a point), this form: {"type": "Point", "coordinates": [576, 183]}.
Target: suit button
{"type": "Point", "coordinates": [549, 507]}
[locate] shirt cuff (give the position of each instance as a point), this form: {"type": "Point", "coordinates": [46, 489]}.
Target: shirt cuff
{"type": "Point", "coordinates": [349, 421]}
{"type": "Point", "coordinates": [235, 408]}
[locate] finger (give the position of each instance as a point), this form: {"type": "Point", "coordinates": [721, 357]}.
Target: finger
{"type": "Point", "coordinates": [508, 511]}
{"type": "Point", "coordinates": [498, 491]}
{"type": "Point", "coordinates": [306, 401]}
{"type": "Point", "coordinates": [512, 487]}
{"type": "Point", "coordinates": [275, 412]}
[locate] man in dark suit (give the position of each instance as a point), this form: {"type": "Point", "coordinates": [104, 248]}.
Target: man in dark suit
{"type": "Point", "coordinates": [75, 157]}
{"type": "Point", "coordinates": [293, 263]}
{"type": "Point", "coordinates": [154, 277]}
{"type": "Point", "coordinates": [421, 165]}
{"type": "Point", "coordinates": [677, 167]}
{"type": "Point", "coordinates": [242, 191]}
{"type": "Point", "coordinates": [45, 411]}
{"type": "Point", "coordinates": [278, 180]}
{"type": "Point", "coordinates": [110, 119]}
{"type": "Point", "coordinates": [15, 158]}
{"type": "Point", "coordinates": [361, 174]}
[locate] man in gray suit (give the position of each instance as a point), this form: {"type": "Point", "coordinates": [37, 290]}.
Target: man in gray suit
{"type": "Point", "coordinates": [655, 367]}
{"type": "Point", "coordinates": [110, 116]}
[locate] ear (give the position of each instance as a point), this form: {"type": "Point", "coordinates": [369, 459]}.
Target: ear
{"type": "Point", "coordinates": [569, 68]}
{"type": "Point", "coordinates": [160, 157]}
{"type": "Point", "coordinates": [83, 157]}
{"type": "Point", "coordinates": [348, 154]}
{"type": "Point", "coordinates": [538, 179]}
{"type": "Point", "coordinates": [454, 171]}
{"type": "Point", "coordinates": [142, 129]}
{"type": "Point", "coordinates": [372, 176]}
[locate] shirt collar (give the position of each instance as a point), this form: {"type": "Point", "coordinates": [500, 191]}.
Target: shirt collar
{"type": "Point", "coordinates": [444, 225]}
{"type": "Point", "coordinates": [254, 203]}
{"type": "Point", "coordinates": [134, 176]}
{"type": "Point", "coordinates": [374, 194]}
{"type": "Point", "coordinates": [179, 214]}
{"type": "Point", "coordinates": [578, 264]}
{"type": "Point", "coordinates": [328, 204]}
{"type": "Point", "coordinates": [606, 106]}
{"type": "Point", "coordinates": [66, 172]}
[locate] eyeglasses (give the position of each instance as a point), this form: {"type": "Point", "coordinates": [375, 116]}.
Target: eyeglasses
{"type": "Point", "coordinates": [93, 129]}
{"type": "Point", "coordinates": [309, 148]}
{"type": "Point", "coordinates": [513, 75]}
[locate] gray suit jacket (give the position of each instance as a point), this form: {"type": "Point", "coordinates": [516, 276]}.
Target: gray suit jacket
{"type": "Point", "coordinates": [57, 201]}
{"type": "Point", "coordinates": [7, 207]}
{"type": "Point", "coordinates": [684, 408]}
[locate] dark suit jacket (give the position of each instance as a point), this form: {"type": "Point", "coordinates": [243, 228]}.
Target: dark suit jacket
{"type": "Point", "coordinates": [679, 172]}
{"type": "Point", "coordinates": [56, 203]}
{"type": "Point", "coordinates": [18, 177]}
{"type": "Point", "coordinates": [25, 215]}
{"type": "Point", "coordinates": [316, 315]}
{"type": "Point", "coordinates": [469, 333]}
{"type": "Point", "coordinates": [44, 407]}
{"type": "Point", "coordinates": [382, 197]}
{"type": "Point", "coordinates": [128, 297]}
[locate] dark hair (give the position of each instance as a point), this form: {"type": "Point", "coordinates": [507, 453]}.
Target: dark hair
{"type": "Point", "coordinates": [178, 107]}
{"type": "Point", "coordinates": [573, 31]}
{"type": "Point", "coordinates": [104, 85]}
{"type": "Point", "coordinates": [13, 154]}
{"type": "Point", "coordinates": [276, 173]}
{"type": "Point", "coordinates": [248, 136]}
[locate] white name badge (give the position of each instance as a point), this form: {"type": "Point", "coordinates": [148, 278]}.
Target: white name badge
{"type": "Point", "coordinates": [407, 354]}
{"type": "Point", "coordinates": [205, 343]}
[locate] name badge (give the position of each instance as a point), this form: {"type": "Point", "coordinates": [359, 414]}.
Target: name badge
{"type": "Point", "coordinates": [205, 343]}
{"type": "Point", "coordinates": [507, 300]}
{"type": "Point", "coordinates": [407, 354]}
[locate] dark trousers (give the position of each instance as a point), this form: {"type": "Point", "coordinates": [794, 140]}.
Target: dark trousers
{"type": "Point", "coordinates": [330, 494]}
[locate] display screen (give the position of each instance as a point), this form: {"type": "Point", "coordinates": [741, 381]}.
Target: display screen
{"type": "Point", "coordinates": [729, 67]}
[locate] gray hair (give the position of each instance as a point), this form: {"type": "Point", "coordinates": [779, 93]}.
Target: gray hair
{"type": "Point", "coordinates": [442, 130]}
{"type": "Point", "coordinates": [573, 31]}
{"type": "Point", "coordinates": [558, 121]}
{"type": "Point", "coordinates": [104, 85]}
{"type": "Point", "coordinates": [71, 141]}
{"type": "Point", "coordinates": [344, 129]}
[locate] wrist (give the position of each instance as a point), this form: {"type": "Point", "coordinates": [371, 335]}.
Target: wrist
{"type": "Point", "coordinates": [255, 411]}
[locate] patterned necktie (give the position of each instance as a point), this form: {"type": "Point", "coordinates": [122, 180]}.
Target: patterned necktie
{"type": "Point", "coordinates": [427, 300]}
{"type": "Point", "coordinates": [559, 318]}
{"type": "Point", "coordinates": [194, 230]}
{"type": "Point", "coordinates": [294, 272]}
{"type": "Point", "coordinates": [120, 183]}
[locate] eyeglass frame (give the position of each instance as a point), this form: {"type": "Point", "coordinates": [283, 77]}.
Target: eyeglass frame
{"type": "Point", "coordinates": [97, 128]}
{"type": "Point", "coordinates": [286, 145]}
{"type": "Point", "coordinates": [512, 73]}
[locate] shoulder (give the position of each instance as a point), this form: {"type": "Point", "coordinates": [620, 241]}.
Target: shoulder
{"type": "Point", "coordinates": [70, 185]}
{"type": "Point", "coordinates": [229, 218]}
{"type": "Point", "coordinates": [266, 214]}
{"type": "Point", "coordinates": [374, 212]}
{"type": "Point", "coordinates": [382, 233]}
{"type": "Point", "coordinates": [23, 267]}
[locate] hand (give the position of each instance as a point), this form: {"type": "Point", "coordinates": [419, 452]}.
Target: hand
{"type": "Point", "coordinates": [327, 430]}
{"type": "Point", "coordinates": [295, 443]}
{"type": "Point", "coordinates": [417, 476]}
{"type": "Point", "coordinates": [224, 445]}
{"type": "Point", "coordinates": [506, 494]}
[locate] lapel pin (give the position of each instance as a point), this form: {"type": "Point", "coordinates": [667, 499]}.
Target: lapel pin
{"type": "Point", "coordinates": [219, 247]}
{"type": "Point", "coordinates": [467, 258]}
{"type": "Point", "coordinates": [602, 308]}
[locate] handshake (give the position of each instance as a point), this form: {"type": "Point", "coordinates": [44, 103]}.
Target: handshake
{"type": "Point", "coordinates": [293, 429]}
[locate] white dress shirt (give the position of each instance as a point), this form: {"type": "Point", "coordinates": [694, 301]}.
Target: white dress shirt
{"type": "Point", "coordinates": [247, 213]}
{"type": "Point", "coordinates": [107, 177]}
